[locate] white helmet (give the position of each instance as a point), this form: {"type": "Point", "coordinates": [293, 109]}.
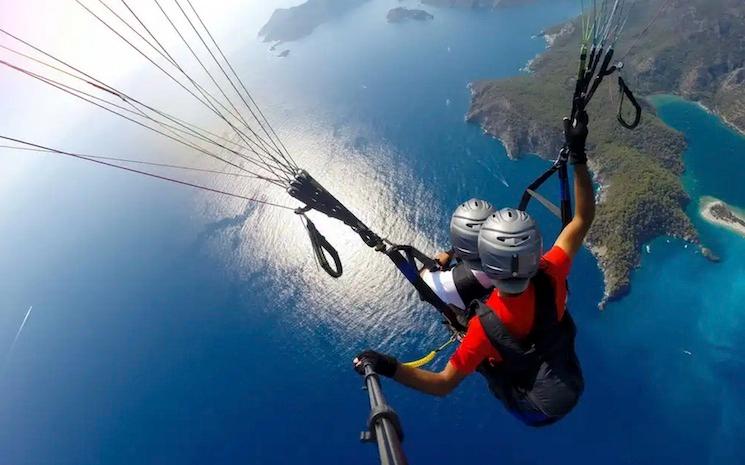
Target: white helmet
{"type": "Point", "coordinates": [510, 246]}
{"type": "Point", "coordinates": [465, 225]}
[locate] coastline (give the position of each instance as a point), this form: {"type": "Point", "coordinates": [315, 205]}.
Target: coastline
{"type": "Point", "coordinates": [549, 39]}
{"type": "Point", "coordinates": [640, 194]}
{"type": "Point", "coordinates": [730, 124]}
{"type": "Point", "coordinates": [703, 106]}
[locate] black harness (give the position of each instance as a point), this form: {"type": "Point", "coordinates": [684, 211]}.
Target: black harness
{"type": "Point", "coordinates": [468, 286]}
{"type": "Point", "coordinates": [540, 379]}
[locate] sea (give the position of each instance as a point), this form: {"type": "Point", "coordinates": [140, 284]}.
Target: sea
{"type": "Point", "coordinates": [173, 326]}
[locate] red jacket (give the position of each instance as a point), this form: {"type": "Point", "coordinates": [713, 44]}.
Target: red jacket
{"type": "Point", "coordinates": [516, 312]}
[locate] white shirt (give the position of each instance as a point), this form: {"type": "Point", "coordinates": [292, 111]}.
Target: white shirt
{"type": "Point", "coordinates": [444, 286]}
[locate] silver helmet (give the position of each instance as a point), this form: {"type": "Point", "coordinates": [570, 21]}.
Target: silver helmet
{"type": "Point", "coordinates": [465, 225]}
{"type": "Point", "coordinates": [510, 247]}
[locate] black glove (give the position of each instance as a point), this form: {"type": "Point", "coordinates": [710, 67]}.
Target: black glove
{"type": "Point", "coordinates": [381, 364]}
{"type": "Point", "coordinates": [576, 137]}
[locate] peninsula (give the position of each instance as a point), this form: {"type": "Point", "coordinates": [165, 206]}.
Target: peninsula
{"type": "Point", "coordinates": [401, 14]}
{"type": "Point", "coordinates": [290, 24]}
{"type": "Point", "coordinates": [719, 213]}
{"type": "Point", "coordinates": [640, 195]}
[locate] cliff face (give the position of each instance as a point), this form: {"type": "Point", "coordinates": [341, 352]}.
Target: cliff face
{"type": "Point", "coordinates": [494, 106]}
{"type": "Point", "coordinates": [695, 49]}
{"type": "Point", "coordinates": [729, 101]}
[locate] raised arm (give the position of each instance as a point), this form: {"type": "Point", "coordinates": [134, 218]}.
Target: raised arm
{"type": "Point", "coordinates": [571, 238]}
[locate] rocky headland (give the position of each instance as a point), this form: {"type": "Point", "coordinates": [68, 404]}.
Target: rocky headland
{"type": "Point", "coordinates": [289, 24]}
{"type": "Point", "coordinates": [695, 49]}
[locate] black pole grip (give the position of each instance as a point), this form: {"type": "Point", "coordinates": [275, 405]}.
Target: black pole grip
{"type": "Point", "coordinates": [383, 424]}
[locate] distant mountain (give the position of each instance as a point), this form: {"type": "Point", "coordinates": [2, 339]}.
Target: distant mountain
{"type": "Point", "coordinates": [475, 3]}
{"type": "Point", "coordinates": [695, 49]}
{"type": "Point", "coordinates": [401, 14]}
{"type": "Point", "coordinates": [289, 24]}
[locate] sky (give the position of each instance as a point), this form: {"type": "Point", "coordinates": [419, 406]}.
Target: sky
{"type": "Point", "coordinates": [36, 112]}
{"type": "Point", "coordinates": [65, 29]}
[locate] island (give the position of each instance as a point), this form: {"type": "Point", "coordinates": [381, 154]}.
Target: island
{"type": "Point", "coordinates": [717, 212]}
{"type": "Point", "coordinates": [640, 193]}
{"type": "Point", "coordinates": [401, 14]}
{"type": "Point", "coordinates": [290, 24]}
{"type": "Point", "coordinates": [710, 255]}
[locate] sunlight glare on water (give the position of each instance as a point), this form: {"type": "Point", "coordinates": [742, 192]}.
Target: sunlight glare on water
{"type": "Point", "coordinates": [274, 241]}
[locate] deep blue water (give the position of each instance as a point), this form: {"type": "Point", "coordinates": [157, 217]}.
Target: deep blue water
{"type": "Point", "coordinates": [174, 328]}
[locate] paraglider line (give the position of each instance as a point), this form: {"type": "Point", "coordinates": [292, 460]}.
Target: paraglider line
{"type": "Point", "coordinates": [144, 173]}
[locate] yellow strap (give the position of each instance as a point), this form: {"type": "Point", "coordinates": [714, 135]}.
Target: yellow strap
{"type": "Point", "coordinates": [430, 356]}
{"type": "Point", "coordinates": [422, 361]}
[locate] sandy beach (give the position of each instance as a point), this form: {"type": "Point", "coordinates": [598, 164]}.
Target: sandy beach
{"type": "Point", "coordinates": [706, 204]}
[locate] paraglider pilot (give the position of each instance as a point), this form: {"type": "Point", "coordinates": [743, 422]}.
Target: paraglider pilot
{"type": "Point", "coordinates": [521, 338]}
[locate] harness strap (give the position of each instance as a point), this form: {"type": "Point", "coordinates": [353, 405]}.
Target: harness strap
{"type": "Point", "coordinates": [545, 306]}
{"type": "Point", "coordinates": [624, 91]}
{"type": "Point", "coordinates": [500, 338]}
{"type": "Point", "coordinates": [468, 286]}
{"type": "Point", "coordinates": [523, 352]}
{"type": "Point", "coordinates": [310, 192]}
{"type": "Point", "coordinates": [411, 272]}
{"type": "Point", "coordinates": [321, 246]}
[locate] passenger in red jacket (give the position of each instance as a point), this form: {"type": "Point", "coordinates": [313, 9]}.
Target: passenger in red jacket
{"type": "Point", "coordinates": [522, 338]}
